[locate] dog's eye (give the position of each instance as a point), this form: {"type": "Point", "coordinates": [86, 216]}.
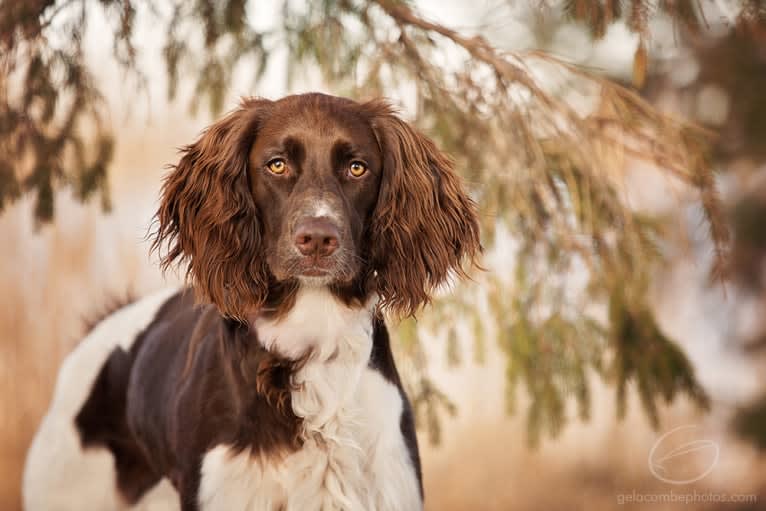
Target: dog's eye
{"type": "Point", "coordinates": [277, 166]}
{"type": "Point", "coordinates": [357, 168]}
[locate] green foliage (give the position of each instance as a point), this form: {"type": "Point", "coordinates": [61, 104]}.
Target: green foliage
{"type": "Point", "coordinates": [228, 42]}
{"type": "Point", "coordinates": [47, 99]}
{"type": "Point", "coordinates": [554, 357]}
{"type": "Point", "coordinates": [644, 355]}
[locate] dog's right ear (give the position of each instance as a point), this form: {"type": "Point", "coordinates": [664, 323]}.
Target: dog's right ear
{"type": "Point", "coordinates": [208, 218]}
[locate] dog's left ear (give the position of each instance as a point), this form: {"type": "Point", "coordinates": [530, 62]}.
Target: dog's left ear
{"type": "Point", "coordinates": [424, 225]}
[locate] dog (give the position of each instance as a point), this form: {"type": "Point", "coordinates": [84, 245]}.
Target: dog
{"type": "Point", "coordinates": [269, 383]}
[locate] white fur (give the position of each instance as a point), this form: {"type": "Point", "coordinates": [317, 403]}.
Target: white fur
{"type": "Point", "coordinates": [323, 208]}
{"type": "Point", "coordinates": [354, 456]}
{"type": "Point", "coordinates": [59, 474]}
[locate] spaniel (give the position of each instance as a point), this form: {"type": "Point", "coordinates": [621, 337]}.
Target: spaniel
{"type": "Point", "coordinates": [270, 384]}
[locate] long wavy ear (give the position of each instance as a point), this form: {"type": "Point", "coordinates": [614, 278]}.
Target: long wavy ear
{"type": "Point", "coordinates": [424, 225]}
{"type": "Point", "coordinates": [208, 218]}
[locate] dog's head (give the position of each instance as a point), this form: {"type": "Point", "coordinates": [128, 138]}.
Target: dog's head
{"type": "Point", "coordinates": [314, 190]}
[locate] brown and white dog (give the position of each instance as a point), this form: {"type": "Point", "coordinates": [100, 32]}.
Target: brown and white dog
{"type": "Point", "coordinates": [300, 220]}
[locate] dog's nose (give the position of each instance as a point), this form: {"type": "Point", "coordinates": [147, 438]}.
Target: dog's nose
{"type": "Point", "coordinates": [316, 236]}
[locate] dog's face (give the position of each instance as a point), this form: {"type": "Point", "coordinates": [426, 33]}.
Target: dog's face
{"type": "Point", "coordinates": [316, 169]}
{"type": "Point", "coordinates": [314, 190]}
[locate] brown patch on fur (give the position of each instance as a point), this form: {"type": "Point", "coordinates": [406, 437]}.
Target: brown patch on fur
{"type": "Point", "coordinates": [206, 321]}
{"type": "Point", "coordinates": [263, 381]}
{"type": "Point", "coordinates": [272, 380]}
{"type": "Point", "coordinates": [280, 299]}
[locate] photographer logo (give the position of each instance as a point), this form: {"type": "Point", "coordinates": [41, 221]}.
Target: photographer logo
{"type": "Point", "coordinates": [677, 457]}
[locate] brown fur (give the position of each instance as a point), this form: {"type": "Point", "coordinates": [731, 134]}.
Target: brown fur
{"type": "Point", "coordinates": [209, 219]}
{"type": "Point", "coordinates": [424, 224]}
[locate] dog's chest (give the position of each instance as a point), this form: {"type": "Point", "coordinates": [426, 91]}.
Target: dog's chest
{"type": "Point", "coordinates": [353, 456]}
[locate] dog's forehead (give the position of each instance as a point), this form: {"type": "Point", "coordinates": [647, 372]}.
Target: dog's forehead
{"type": "Point", "coordinates": [317, 115]}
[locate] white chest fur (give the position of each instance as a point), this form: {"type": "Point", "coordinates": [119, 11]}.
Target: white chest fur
{"type": "Point", "coordinates": [354, 456]}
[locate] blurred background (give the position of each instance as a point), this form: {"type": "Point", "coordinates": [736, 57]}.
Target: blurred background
{"type": "Point", "coordinates": [612, 353]}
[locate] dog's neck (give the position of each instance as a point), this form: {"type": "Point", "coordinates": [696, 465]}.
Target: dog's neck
{"type": "Point", "coordinates": [335, 342]}
{"type": "Point", "coordinates": [282, 296]}
{"type": "Point", "coordinates": [318, 325]}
